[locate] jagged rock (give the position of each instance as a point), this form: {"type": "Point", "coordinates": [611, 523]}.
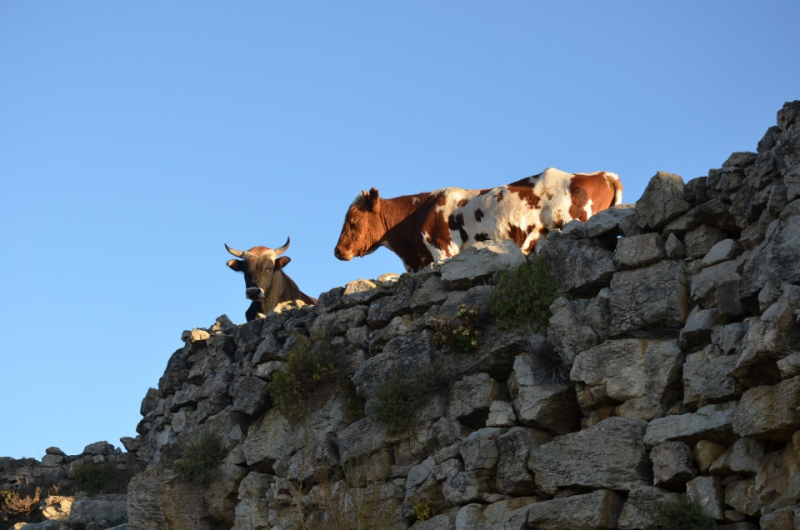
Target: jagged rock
{"type": "Point", "coordinates": [407, 352]}
{"type": "Point", "coordinates": [642, 507]}
{"type": "Point", "coordinates": [706, 452]}
{"type": "Point", "coordinates": [769, 412]}
{"type": "Point", "coordinates": [743, 457]}
{"type": "Point", "coordinates": [727, 338]}
{"type": "Point", "coordinates": [789, 366]}
{"type": "Point", "coordinates": [470, 399]}
{"type": "Point", "coordinates": [158, 500]}
{"type": "Point", "coordinates": [699, 326]}
{"type": "Point", "coordinates": [707, 378]}
{"type": "Point", "coordinates": [383, 310]}
{"type": "Point", "coordinates": [647, 298]}
{"type": "Point", "coordinates": [672, 464]}
{"type": "Point", "coordinates": [250, 395]}
{"type": "Point", "coordinates": [466, 487]}
{"type": "Point", "coordinates": [582, 266]}
{"type": "Point", "coordinates": [99, 448]}
{"type": "Point", "coordinates": [567, 331]}
{"type": "Point", "coordinates": [479, 262]}
{"type": "Point", "coordinates": [598, 510]}
{"type": "Point", "coordinates": [712, 422]}
{"type": "Point", "coordinates": [662, 201]}
{"type": "Point", "coordinates": [742, 496]}
{"type": "Point", "coordinates": [514, 447]}
{"type": "Point", "coordinates": [674, 248]}
{"type": "Point", "coordinates": [725, 250]}
{"type": "Point", "coordinates": [769, 339]}
{"type": "Point", "coordinates": [698, 242]}
{"type": "Point", "coordinates": [643, 374]}
{"type": "Point", "coordinates": [608, 221]}
{"type": "Point", "coordinates": [610, 455]}
{"type": "Point", "coordinates": [783, 519]}
{"type": "Point", "coordinates": [479, 450]}
{"type": "Point", "coordinates": [501, 414]}
{"type": "Point", "coordinates": [430, 292]}
{"type": "Point", "coordinates": [717, 287]}
{"type": "Point", "coordinates": [706, 492]}
{"type": "Point", "coordinates": [714, 213]}
{"type": "Point", "coordinates": [775, 259]}
{"type": "Point", "coordinates": [550, 407]}
{"type": "Point", "coordinates": [252, 510]}
{"type": "Point", "coordinates": [639, 251]}
{"type": "Point", "coordinates": [511, 514]}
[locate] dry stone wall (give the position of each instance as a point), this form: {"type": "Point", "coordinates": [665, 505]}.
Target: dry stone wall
{"type": "Point", "coordinates": [679, 328]}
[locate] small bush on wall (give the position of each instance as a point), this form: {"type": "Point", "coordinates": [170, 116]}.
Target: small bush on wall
{"type": "Point", "coordinates": [200, 459]}
{"type": "Point", "coordinates": [523, 297]}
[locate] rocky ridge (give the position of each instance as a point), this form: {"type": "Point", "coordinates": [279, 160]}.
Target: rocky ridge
{"type": "Point", "coordinates": [680, 329]}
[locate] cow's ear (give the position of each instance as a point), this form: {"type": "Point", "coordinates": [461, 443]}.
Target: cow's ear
{"type": "Point", "coordinates": [372, 199]}
{"type": "Point", "coordinates": [282, 262]}
{"type": "Point", "coordinates": [235, 264]}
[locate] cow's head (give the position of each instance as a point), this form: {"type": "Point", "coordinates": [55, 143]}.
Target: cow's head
{"type": "Point", "coordinates": [259, 265]}
{"type": "Point", "coordinates": [362, 228]}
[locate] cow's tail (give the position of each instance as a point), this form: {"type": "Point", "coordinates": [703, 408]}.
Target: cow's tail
{"type": "Point", "coordinates": [613, 181]}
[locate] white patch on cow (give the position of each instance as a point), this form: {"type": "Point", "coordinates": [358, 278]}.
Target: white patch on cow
{"type": "Point", "coordinates": [414, 200]}
{"type": "Point", "coordinates": [588, 208]}
{"type": "Point", "coordinates": [553, 188]}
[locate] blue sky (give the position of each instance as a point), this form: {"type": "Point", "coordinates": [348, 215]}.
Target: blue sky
{"type": "Point", "coordinates": [138, 137]}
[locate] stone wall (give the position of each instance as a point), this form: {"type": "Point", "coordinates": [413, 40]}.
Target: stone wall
{"type": "Point", "coordinates": [680, 331]}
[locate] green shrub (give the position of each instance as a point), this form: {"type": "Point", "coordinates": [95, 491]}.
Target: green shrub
{"type": "Point", "coordinates": [523, 296]}
{"type": "Point", "coordinates": [103, 477]}
{"type": "Point", "coordinates": [682, 515]}
{"type": "Point", "coordinates": [460, 333]}
{"type": "Point", "coordinates": [310, 368]}
{"type": "Point", "coordinates": [398, 400]}
{"type": "Point", "coordinates": [200, 459]}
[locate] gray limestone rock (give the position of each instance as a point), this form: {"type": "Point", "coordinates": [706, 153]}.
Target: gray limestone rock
{"type": "Point", "coordinates": [742, 496]}
{"type": "Point", "coordinates": [718, 287]}
{"type": "Point", "coordinates": [724, 250]}
{"type": "Point", "coordinates": [479, 450]}
{"type": "Point", "coordinates": [609, 455]}
{"type": "Point", "coordinates": [712, 422]}
{"type": "Point", "coordinates": [674, 248]}
{"type": "Point", "coordinates": [769, 339]}
{"type": "Point", "coordinates": [699, 326]}
{"type": "Point", "coordinates": [642, 507]}
{"type": "Point", "coordinates": [470, 399]}
{"type": "Point", "coordinates": [642, 373]}
{"type": "Point", "coordinates": [707, 378]}
{"type": "Point", "coordinates": [583, 267]}
{"type": "Point", "coordinates": [514, 447]}
{"type": "Point", "coordinates": [662, 201]}
{"type": "Point", "coordinates": [775, 259]}
{"type": "Point", "coordinates": [480, 261]}
{"type": "Point", "coordinates": [701, 240]}
{"type": "Point", "coordinates": [501, 414]}
{"type": "Point", "coordinates": [655, 297]}
{"type": "Point", "coordinates": [599, 510]}
{"type": "Point", "coordinates": [706, 492]}
{"type": "Point", "coordinates": [511, 514]}
{"type": "Point", "coordinates": [744, 457]}
{"type": "Point", "coordinates": [550, 407]}
{"type": "Point", "coordinates": [776, 482]}
{"type": "Point", "coordinates": [608, 221]}
{"type": "Point", "coordinates": [639, 251]}
{"type": "Point", "coordinates": [672, 465]}
{"type": "Point", "coordinates": [769, 412]}
{"type": "Point", "coordinates": [567, 330]}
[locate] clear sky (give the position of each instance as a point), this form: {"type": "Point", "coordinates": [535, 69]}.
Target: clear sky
{"type": "Point", "coordinates": [138, 137]}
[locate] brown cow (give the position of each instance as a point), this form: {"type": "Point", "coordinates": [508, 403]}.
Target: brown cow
{"type": "Point", "coordinates": [429, 227]}
{"type": "Point", "coordinates": [266, 283]}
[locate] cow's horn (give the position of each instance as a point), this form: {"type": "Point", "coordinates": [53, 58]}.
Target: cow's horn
{"type": "Point", "coordinates": [281, 250]}
{"type": "Point", "coordinates": [237, 253]}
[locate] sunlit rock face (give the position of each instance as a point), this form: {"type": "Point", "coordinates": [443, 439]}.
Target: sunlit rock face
{"type": "Point", "coordinates": [671, 365]}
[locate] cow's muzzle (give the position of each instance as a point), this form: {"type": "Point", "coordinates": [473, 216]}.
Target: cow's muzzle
{"type": "Point", "coordinates": [341, 255]}
{"type": "Point", "coordinates": [254, 293]}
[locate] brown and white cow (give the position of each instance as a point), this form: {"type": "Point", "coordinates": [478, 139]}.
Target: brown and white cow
{"type": "Point", "coordinates": [266, 283]}
{"type": "Point", "coordinates": [429, 227]}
